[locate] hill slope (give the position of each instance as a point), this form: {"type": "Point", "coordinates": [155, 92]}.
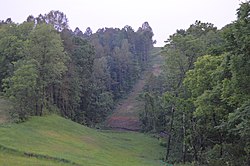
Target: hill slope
{"type": "Point", "coordinates": [126, 113]}
{"type": "Point", "coordinates": [54, 140]}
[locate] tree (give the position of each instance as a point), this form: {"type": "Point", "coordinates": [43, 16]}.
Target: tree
{"type": "Point", "coordinates": [78, 32]}
{"type": "Point", "coordinates": [236, 85]}
{"type": "Point", "coordinates": [13, 45]}
{"type": "Point", "coordinates": [68, 75]}
{"type": "Point", "coordinates": [181, 52]}
{"type": "Point", "coordinates": [149, 115]}
{"type": "Point", "coordinates": [57, 19]}
{"type": "Point", "coordinates": [237, 44]}
{"type": "Point", "coordinates": [88, 32]}
{"type": "Point", "coordinates": [21, 88]}
{"type": "Point", "coordinates": [83, 58]}
{"type": "Point", "coordinates": [144, 42]}
{"type": "Point", "coordinates": [204, 82]}
{"type": "Point", "coordinates": [30, 18]}
{"type": "Point", "coordinates": [47, 50]}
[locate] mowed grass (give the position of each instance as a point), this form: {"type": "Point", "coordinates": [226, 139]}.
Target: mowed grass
{"type": "Point", "coordinates": [7, 159]}
{"type": "Point", "coordinates": [53, 140]}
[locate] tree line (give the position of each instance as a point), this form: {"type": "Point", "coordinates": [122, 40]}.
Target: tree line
{"type": "Point", "coordinates": [200, 104]}
{"type": "Point", "coordinates": [46, 67]}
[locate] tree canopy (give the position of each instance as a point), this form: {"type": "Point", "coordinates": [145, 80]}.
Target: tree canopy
{"type": "Point", "coordinates": [46, 67]}
{"type": "Point", "coordinates": [205, 94]}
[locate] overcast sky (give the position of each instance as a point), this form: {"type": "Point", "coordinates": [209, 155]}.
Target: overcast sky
{"type": "Point", "coordinates": [164, 16]}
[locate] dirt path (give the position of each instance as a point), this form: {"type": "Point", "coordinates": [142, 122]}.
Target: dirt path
{"type": "Point", "coordinates": [126, 114]}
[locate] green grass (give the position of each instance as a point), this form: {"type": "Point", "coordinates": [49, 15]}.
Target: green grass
{"type": "Point", "coordinates": [7, 159]}
{"type": "Point", "coordinates": [53, 140]}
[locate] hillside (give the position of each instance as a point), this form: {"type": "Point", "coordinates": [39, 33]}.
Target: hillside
{"type": "Point", "coordinates": [53, 140]}
{"type": "Point", "coordinates": [126, 113]}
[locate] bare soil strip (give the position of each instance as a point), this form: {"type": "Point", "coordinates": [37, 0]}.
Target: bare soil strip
{"type": "Point", "coordinates": [126, 113]}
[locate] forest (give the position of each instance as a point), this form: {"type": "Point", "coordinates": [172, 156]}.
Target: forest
{"type": "Point", "coordinates": [201, 101]}
{"type": "Point", "coordinates": [198, 106]}
{"type": "Point", "coordinates": [46, 67]}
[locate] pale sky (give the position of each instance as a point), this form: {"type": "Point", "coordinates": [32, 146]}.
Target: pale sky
{"type": "Point", "coordinates": [164, 16]}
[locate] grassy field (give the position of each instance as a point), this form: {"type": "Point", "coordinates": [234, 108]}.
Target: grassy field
{"type": "Point", "coordinates": [53, 140]}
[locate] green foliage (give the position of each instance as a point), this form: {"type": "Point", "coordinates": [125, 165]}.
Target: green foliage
{"type": "Point", "coordinates": [47, 49]}
{"type": "Point", "coordinates": [206, 99]}
{"type": "Point", "coordinates": [77, 75]}
{"type": "Point", "coordinates": [205, 74]}
{"type": "Point", "coordinates": [182, 51]}
{"type": "Point", "coordinates": [126, 52]}
{"type": "Point", "coordinates": [150, 115]}
{"type": "Point", "coordinates": [21, 88]}
{"type": "Point", "coordinates": [212, 91]}
{"type": "Point", "coordinates": [33, 60]}
{"type": "Point", "coordinates": [13, 43]}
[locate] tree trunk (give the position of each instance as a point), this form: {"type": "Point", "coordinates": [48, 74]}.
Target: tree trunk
{"type": "Point", "coordinates": [184, 135]}
{"type": "Point", "coordinates": [221, 145]}
{"type": "Point", "coordinates": [170, 133]}
{"type": "Point", "coordinates": [43, 100]}
{"type": "Point", "coordinates": [36, 113]}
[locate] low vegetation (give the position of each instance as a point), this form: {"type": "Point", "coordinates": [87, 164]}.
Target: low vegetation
{"type": "Point", "coordinates": [53, 140]}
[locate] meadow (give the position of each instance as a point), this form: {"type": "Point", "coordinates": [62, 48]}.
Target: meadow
{"type": "Point", "coordinates": [53, 140]}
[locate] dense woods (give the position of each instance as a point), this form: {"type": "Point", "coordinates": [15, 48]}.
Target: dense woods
{"type": "Point", "coordinates": [46, 67]}
{"type": "Point", "coordinates": [202, 109]}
